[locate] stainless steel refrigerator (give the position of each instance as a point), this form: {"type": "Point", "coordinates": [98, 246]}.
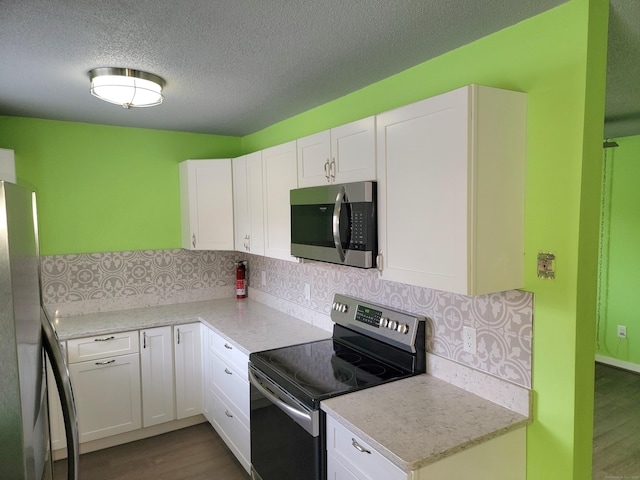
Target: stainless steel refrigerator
{"type": "Point", "coordinates": [25, 334]}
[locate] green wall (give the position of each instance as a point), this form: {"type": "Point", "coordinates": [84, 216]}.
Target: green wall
{"type": "Point", "coordinates": [558, 58]}
{"type": "Point", "coordinates": [103, 188]}
{"type": "Point", "coordinates": [99, 185]}
{"type": "Point", "coordinates": [620, 268]}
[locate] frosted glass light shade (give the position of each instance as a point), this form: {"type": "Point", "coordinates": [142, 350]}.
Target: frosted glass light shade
{"type": "Point", "coordinates": [126, 87]}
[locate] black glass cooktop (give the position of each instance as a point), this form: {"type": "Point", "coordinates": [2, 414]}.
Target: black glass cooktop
{"type": "Point", "coordinates": [318, 370]}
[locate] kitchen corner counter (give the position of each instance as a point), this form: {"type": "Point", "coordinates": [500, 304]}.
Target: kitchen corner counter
{"type": "Point", "coordinates": [417, 421]}
{"type": "Point", "coordinates": [251, 325]}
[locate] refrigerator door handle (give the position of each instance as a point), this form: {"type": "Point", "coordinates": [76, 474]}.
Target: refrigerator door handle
{"type": "Point", "coordinates": [61, 374]}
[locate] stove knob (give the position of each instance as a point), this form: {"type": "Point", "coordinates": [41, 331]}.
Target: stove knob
{"type": "Point", "coordinates": [392, 324]}
{"type": "Point", "coordinates": [384, 322]}
{"type": "Point", "coordinates": [335, 305]}
{"type": "Point", "coordinates": [403, 328]}
{"type": "Point", "coordinates": [344, 308]}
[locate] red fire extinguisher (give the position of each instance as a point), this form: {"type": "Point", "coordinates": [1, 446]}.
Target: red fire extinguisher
{"type": "Point", "coordinates": [241, 280]}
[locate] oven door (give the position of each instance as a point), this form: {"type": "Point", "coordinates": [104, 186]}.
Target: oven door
{"type": "Point", "coordinates": [286, 436]}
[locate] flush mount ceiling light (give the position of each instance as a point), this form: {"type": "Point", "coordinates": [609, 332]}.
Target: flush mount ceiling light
{"type": "Point", "coordinates": [126, 87]}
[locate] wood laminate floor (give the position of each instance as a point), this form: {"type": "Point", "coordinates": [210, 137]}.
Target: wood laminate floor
{"type": "Point", "coordinates": [190, 453]}
{"type": "Point", "coordinates": [616, 426]}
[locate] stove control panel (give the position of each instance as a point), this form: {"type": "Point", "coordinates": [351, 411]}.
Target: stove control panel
{"type": "Point", "coordinates": [377, 321]}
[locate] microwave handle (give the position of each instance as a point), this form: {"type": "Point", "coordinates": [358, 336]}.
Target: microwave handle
{"type": "Point", "coordinates": [340, 198]}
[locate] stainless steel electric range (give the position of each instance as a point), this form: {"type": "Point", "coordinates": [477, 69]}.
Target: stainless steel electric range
{"type": "Point", "coordinates": [371, 345]}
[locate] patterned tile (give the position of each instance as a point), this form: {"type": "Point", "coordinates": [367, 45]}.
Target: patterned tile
{"type": "Point", "coordinates": [103, 281]}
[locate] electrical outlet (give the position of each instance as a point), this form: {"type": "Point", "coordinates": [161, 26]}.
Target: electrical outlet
{"type": "Point", "coordinates": [469, 340]}
{"type": "Point", "coordinates": [264, 278]}
{"type": "Point", "coordinates": [622, 331]}
{"type": "Point", "coordinates": [307, 291]}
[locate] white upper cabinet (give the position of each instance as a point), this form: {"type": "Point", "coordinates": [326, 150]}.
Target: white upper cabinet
{"type": "Point", "coordinates": [279, 177]}
{"type": "Point", "coordinates": [341, 155]}
{"type": "Point", "coordinates": [248, 204]}
{"type": "Point", "coordinates": [451, 191]}
{"type": "Point", "coordinates": [206, 204]}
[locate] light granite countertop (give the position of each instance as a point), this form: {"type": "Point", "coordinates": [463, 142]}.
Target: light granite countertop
{"type": "Point", "coordinates": [251, 325]}
{"type": "Point", "coordinates": [430, 419]}
{"type": "Point", "coordinates": [417, 421]}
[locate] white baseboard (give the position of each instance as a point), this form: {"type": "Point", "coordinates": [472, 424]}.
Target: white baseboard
{"type": "Point", "coordinates": [614, 362]}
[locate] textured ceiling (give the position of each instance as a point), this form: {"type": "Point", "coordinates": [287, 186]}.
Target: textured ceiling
{"type": "Point", "coordinates": [236, 66]}
{"type": "Point", "coordinates": [622, 111]}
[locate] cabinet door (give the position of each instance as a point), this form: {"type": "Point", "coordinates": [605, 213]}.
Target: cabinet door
{"type": "Point", "coordinates": [107, 393]}
{"type": "Point", "coordinates": [422, 192]}
{"type": "Point", "coordinates": [256, 203]}
{"type": "Point", "coordinates": [280, 176]}
{"type": "Point", "coordinates": [314, 159]}
{"type": "Point", "coordinates": [188, 370]}
{"type": "Point", "coordinates": [450, 191]}
{"type": "Point", "coordinates": [156, 365]}
{"type": "Point", "coordinates": [206, 204]}
{"type": "Point", "coordinates": [241, 226]}
{"type": "Point", "coordinates": [353, 151]}
{"type": "Point", "coordinates": [337, 471]}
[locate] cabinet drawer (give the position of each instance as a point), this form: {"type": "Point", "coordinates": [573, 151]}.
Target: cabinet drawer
{"type": "Point", "coordinates": [91, 348]}
{"type": "Point", "coordinates": [370, 464]}
{"type": "Point", "coordinates": [228, 383]}
{"type": "Point", "coordinates": [234, 433]}
{"type": "Point", "coordinates": [229, 353]}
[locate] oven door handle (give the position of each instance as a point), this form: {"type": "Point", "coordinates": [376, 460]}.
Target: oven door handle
{"type": "Point", "coordinates": [340, 198]}
{"type": "Point", "coordinates": [302, 418]}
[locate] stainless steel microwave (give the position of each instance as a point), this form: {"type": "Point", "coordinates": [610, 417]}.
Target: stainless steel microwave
{"type": "Point", "coordinates": [335, 223]}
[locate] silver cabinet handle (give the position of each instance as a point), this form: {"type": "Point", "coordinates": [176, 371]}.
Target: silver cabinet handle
{"type": "Point", "coordinates": [144, 339]}
{"type": "Point", "coordinates": [379, 262]}
{"type": "Point", "coordinates": [107, 362]}
{"type": "Point", "coordinates": [327, 170]}
{"type": "Point", "coordinates": [359, 447]}
{"type": "Point", "coordinates": [104, 339]}
{"type": "Point", "coordinates": [226, 370]}
{"type": "Point", "coordinates": [228, 347]}
{"type": "Point", "coordinates": [226, 412]}
{"type": "Point", "coordinates": [178, 332]}
{"type": "Point", "coordinates": [332, 169]}
{"type": "Point", "coordinates": [340, 200]}
{"type": "Point", "coordinates": [193, 240]}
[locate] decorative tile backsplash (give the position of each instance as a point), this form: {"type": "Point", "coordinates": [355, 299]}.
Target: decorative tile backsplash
{"type": "Point", "coordinates": [94, 282]}
{"type": "Point", "coordinates": [87, 283]}
{"type": "Point", "coordinates": [503, 321]}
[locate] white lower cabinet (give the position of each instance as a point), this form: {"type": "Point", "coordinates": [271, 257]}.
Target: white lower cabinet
{"type": "Point", "coordinates": [107, 393]}
{"type": "Point", "coordinates": [188, 369]}
{"type": "Point", "coordinates": [156, 365]}
{"type": "Point", "coordinates": [227, 395]}
{"type": "Point", "coordinates": [349, 457]}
